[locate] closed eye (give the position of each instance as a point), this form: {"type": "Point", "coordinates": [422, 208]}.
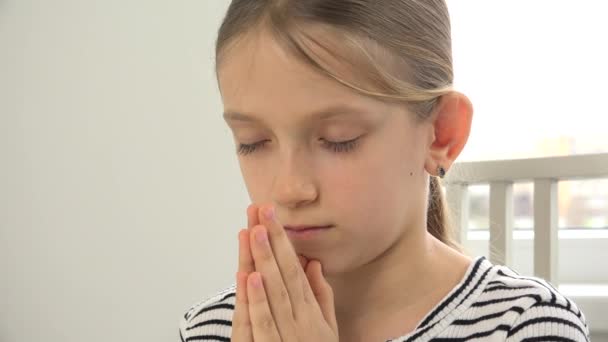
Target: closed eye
{"type": "Point", "coordinates": [341, 146]}
{"type": "Point", "coordinates": [245, 149]}
{"type": "Point", "coordinates": [334, 146]}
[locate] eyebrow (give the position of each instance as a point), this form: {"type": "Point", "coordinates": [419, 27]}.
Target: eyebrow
{"type": "Point", "coordinates": [323, 114]}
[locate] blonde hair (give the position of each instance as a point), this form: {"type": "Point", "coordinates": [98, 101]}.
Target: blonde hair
{"type": "Point", "coordinates": [401, 50]}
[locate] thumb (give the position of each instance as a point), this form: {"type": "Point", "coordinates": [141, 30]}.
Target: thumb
{"type": "Point", "coordinates": [322, 291]}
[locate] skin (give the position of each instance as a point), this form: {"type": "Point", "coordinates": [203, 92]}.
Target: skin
{"type": "Point", "coordinates": [384, 270]}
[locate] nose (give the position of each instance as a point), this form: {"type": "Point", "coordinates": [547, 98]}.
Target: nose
{"type": "Point", "coordinates": [294, 184]}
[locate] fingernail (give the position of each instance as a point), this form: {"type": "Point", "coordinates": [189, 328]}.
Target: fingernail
{"type": "Point", "coordinates": [269, 213]}
{"type": "Point", "coordinates": [261, 237]}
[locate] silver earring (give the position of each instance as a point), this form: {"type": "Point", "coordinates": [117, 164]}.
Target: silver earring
{"type": "Point", "coordinates": [441, 171]}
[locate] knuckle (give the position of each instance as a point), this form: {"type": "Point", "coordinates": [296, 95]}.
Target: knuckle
{"type": "Point", "coordinates": [266, 323]}
{"type": "Point", "coordinates": [283, 295]}
{"type": "Point", "coordinates": [240, 321]}
{"type": "Point", "coordinates": [292, 271]}
{"type": "Point", "coordinates": [266, 254]}
{"type": "Point", "coordinates": [309, 296]}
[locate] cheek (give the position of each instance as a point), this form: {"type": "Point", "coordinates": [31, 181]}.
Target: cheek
{"type": "Point", "coordinates": [375, 194]}
{"type": "Point", "coordinates": [364, 193]}
{"type": "Point", "coordinates": [257, 181]}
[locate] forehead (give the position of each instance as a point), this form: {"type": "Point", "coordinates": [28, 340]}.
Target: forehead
{"type": "Point", "coordinates": [258, 75]}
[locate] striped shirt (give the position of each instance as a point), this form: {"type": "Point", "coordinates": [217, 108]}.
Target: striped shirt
{"type": "Point", "coordinates": [490, 303]}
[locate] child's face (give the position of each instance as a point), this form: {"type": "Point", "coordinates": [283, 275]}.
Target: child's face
{"type": "Point", "coordinates": [373, 195]}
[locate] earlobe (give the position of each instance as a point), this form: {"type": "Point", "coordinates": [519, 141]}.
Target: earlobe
{"type": "Point", "coordinates": [437, 168]}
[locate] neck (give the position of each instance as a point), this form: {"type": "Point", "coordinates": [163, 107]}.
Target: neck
{"type": "Point", "coordinates": [408, 279]}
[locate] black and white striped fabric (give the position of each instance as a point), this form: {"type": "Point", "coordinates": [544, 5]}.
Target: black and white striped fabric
{"type": "Point", "coordinates": [491, 303]}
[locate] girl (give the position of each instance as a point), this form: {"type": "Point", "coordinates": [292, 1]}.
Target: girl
{"type": "Point", "coordinates": [344, 116]}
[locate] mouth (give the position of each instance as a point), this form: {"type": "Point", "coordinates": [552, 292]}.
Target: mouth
{"type": "Point", "coordinates": [306, 232]}
{"type": "Point", "coordinates": [304, 228]}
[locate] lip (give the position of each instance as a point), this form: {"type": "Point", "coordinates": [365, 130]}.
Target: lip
{"type": "Point", "coordinates": [306, 233]}
{"type": "Point", "coordinates": [299, 228]}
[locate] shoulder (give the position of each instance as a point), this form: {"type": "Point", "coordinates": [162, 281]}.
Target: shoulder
{"type": "Point", "coordinates": [210, 318]}
{"type": "Point", "coordinates": [539, 310]}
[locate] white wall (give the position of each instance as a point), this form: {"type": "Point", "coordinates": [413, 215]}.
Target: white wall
{"type": "Point", "coordinates": [116, 170]}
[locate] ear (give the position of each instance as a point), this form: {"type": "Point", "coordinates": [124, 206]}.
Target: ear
{"type": "Point", "coordinates": [451, 123]}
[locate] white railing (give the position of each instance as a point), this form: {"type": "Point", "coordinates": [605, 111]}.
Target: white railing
{"type": "Point", "coordinates": [500, 175]}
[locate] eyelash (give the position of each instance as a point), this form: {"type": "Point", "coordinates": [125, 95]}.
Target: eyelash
{"type": "Point", "coordinates": [337, 147]}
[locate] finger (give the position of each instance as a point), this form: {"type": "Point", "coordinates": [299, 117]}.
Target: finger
{"type": "Point", "coordinates": [287, 260]}
{"type": "Point", "coordinates": [241, 325]}
{"type": "Point", "coordinates": [245, 258]}
{"type": "Point", "coordinates": [276, 292]}
{"type": "Point", "coordinates": [323, 292]}
{"type": "Point", "coordinates": [252, 215]}
{"type": "Point", "coordinates": [262, 322]}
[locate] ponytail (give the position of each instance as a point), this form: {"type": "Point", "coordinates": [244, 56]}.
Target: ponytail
{"type": "Point", "coordinates": [438, 216]}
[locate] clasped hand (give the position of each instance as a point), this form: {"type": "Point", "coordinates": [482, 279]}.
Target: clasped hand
{"type": "Point", "coordinates": [280, 297]}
